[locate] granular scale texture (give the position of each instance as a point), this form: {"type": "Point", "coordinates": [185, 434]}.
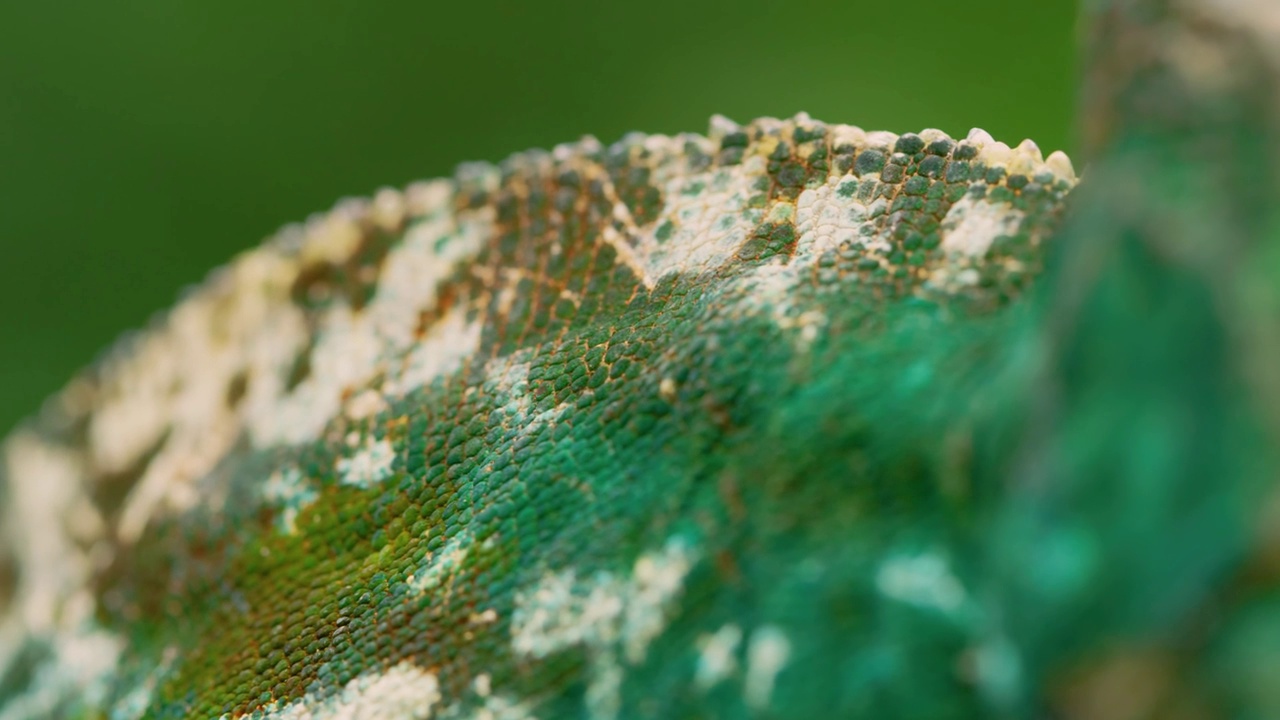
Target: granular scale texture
{"type": "Point", "coordinates": [606, 431]}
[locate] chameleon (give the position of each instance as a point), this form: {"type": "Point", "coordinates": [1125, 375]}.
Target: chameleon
{"type": "Point", "coordinates": [786, 420]}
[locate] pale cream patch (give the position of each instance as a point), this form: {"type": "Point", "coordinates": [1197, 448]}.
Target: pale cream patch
{"type": "Point", "coordinates": [824, 222]}
{"type": "Point", "coordinates": [717, 656]}
{"type": "Point", "coordinates": [413, 271]}
{"type": "Point", "coordinates": [290, 491]}
{"type": "Point", "coordinates": [486, 617]}
{"type": "Point", "coordinates": [557, 614]}
{"type": "Point", "coordinates": [403, 692]}
{"type": "Point", "coordinates": [173, 384]}
{"type": "Point", "coordinates": [923, 579]}
{"type": "Point", "coordinates": [604, 690]}
{"type": "Point", "coordinates": [448, 343]}
{"type": "Point", "coordinates": [345, 356]}
{"type": "Point", "coordinates": [365, 405]}
{"type": "Point", "coordinates": [45, 486]}
{"type": "Point", "coordinates": [707, 217]}
{"type": "Point", "coordinates": [767, 654]}
{"type": "Point", "coordinates": [169, 388]}
{"type": "Point", "coordinates": [352, 348]}
{"type": "Point", "coordinates": [52, 601]}
{"type": "Point", "coordinates": [1024, 159]}
{"type": "Point", "coordinates": [424, 198]}
{"type": "Point", "coordinates": [972, 224]}
{"type": "Point", "coordinates": [497, 707]}
{"type": "Point", "coordinates": [442, 564]}
{"type": "Point", "coordinates": [622, 250]}
{"type": "Point", "coordinates": [655, 581]}
{"type": "Point", "coordinates": [674, 147]}
{"type": "Point", "coordinates": [332, 237]}
{"type": "Point", "coordinates": [1060, 165]}
{"type": "Point", "coordinates": [389, 209]}
{"type": "Point", "coordinates": [998, 668]}
{"type": "Point", "coordinates": [122, 429]}
{"type": "Point", "coordinates": [508, 379]}
{"type": "Point", "coordinates": [995, 154]}
{"type": "Point", "coordinates": [614, 618]}
{"type": "Point", "coordinates": [370, 465]}
{"type": "Point", "coordinates": [981, 139]}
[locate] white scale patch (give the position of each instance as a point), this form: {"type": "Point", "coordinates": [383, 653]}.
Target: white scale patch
{"type": "Point", "coordinates": [365, 405]}
{"type": "Point", "coordinates": [971, 225]}
{"type": "Point", "coordinates": [287, 489]}
{"type": "Point", "coordinates": [442, 564]}
{"type": "Point", "coordinates": [508, 379]}
{"type": "Point", "coordinates": [404, 692]}
{"type": "Point", "coordinates": [449, 342]}
{"type": "Point", "coordinates": [767, 654]}
{"type": "Point", "coordinates": [924, 580]}
{"type": "Point", "coordinates": [717, 656]}
{"type": "Point", "coordinates": [708, 218]}
{"type": "Point", "coordinates": [823, 222]}
{"type": "Point", "coordinates": [52, 600]}
{"type": "Point", "coordinates": [345, 355]}
{"type": "Point", "coordinates": [352, 348]}
{"type": "Point", "coordinates": [174, 384]}
{"type": "Point", "coordinates": [614, 618]}
{"type": "Point", "coordinates": [370, 465]}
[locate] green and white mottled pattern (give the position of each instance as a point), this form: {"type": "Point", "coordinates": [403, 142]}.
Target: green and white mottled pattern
{"type": "Point", "coordinates": [500, 390]}
{"type": "Point", "coordinates": [791, 420]}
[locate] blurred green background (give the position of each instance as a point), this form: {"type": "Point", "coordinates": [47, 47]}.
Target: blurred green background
{"type": "Point", "coordinates": [143, 142]}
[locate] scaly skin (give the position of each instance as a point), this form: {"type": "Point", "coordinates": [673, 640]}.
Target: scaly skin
{"type": "Point", "coordinates": [761, 424]}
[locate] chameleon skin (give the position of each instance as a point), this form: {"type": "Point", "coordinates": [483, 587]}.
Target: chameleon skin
{"type": "Point", "coordinates": [522, 442]}
{"type": "Point", "coordinates": [773, 423]}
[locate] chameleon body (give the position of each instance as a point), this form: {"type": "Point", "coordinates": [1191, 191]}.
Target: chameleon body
{"type": "Point", "coordinates": [774, 422]}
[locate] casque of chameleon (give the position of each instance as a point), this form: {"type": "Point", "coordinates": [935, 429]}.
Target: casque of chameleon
{"type": "Point", "coordinates": [511, 444]}
{"type": "Point", "coordinates": [789, 421]}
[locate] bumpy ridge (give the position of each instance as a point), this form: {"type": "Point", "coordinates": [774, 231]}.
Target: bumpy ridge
{"type": "Point", "coordinates": [459, 444]}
